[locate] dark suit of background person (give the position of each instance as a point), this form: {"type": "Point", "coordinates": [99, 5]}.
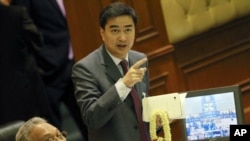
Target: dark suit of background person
{"type": "Point", "coordinates": [108, 117]}
{"type": "Point", "coordinates": [53, 58]}
{"type": "Point", "coordinates": [21, 89]}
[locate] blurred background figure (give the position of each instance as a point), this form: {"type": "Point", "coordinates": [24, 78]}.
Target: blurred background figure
{"type": "Point", "coordinates": [21, 87]}
{"type": "Point", "coordinates": [55, 59]}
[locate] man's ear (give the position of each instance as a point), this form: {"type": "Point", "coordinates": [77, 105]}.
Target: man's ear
{"type": "Point", "coordinates": [101, 30]}
{"type": "Point", "coordinates": [64, 133]}
{"type": "Point", "coordinates": [101, 33]}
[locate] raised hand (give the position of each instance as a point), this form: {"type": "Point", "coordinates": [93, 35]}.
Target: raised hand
{"type": "Point", "coordinates": [135, 73]}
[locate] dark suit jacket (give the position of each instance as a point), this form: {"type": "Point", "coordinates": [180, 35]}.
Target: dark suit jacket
{"type": "Point", "coordinates": [21, 91]}
{"type": "Point", "coordinates": [107, 117]}
{"type": "Point", "coordinates": [53, 57]}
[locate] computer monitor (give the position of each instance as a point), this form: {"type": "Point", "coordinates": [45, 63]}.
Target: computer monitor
{"type": "Point", "coordinates": [210, 112]}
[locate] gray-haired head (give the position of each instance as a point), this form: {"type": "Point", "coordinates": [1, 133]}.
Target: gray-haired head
{"type": "Point", "coordinates": [24, 131]}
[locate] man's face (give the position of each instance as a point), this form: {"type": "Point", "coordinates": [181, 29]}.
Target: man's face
{"type": "Point", "coordinates": [46, 132]}
{"type": "Point", "coordinates": [118, 35]}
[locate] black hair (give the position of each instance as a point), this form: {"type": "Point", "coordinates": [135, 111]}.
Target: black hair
{"type": "Point", "coordinates": [114, 10]}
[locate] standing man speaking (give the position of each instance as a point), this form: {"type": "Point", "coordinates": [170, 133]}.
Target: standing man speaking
{"type": "Point", "coordinates": [109, 82]}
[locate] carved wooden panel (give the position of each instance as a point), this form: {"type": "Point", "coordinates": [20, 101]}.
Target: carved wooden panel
{"type": "Point", "coordinates": [211, 69]}
{"type": "Point", "coordinates": [219, 57]}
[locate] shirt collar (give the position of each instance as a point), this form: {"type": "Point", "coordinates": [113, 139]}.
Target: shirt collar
{"type": "Point", "coordinates": [117, 60]}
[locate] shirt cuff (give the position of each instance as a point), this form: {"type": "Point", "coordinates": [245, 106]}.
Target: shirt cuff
{"type": "Point", "coordinates": [122, 89]}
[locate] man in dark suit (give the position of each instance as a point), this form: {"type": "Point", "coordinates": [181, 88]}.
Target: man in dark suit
{"type": "Point", "coordinates": [21, 87]}
{"type": "Point", "coordinates": [55, 59]}
{"type": "Point", "coordinates": [102, 91]}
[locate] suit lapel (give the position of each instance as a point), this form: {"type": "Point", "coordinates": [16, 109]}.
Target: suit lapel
{"type": "Point", "coordinates": [114, 73]}
{"type": "Point", "coordinates": [111, 69]}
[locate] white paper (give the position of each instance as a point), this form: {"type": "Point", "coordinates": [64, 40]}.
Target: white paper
{"type": "Point", "coordinates": [171, 103]}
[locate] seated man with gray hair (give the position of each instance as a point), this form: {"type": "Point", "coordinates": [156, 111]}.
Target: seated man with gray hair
{"type": "Point", "coordinates": [38, 129]}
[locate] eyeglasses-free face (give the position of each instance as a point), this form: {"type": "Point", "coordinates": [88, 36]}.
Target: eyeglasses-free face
{"type": "Point", "coordinates": [118, 35]}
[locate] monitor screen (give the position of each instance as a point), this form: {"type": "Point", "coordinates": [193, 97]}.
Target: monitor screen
{"type": "Point", "coordinates": [210, 112]}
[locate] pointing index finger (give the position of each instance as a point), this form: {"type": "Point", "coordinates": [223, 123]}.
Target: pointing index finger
{"type": "Point", "coordinates": [139, 63]}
